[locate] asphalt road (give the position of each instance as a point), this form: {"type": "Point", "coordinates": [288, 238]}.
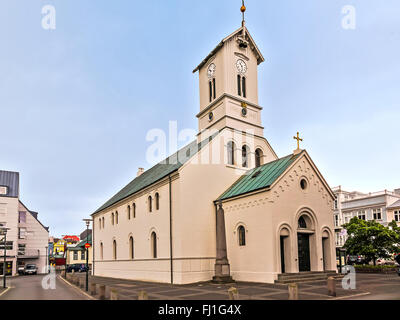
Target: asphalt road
{"type": "Point", "coordinates": [30, 288]}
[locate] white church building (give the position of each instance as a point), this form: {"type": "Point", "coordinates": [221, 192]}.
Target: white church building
{"type": "Point", "coordinates": [225, 206]}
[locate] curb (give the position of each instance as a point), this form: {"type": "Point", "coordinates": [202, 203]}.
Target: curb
{"type": "Point", "coordinates": [76, 288]}
{"type": "Point", "coordinates": [352, 296]}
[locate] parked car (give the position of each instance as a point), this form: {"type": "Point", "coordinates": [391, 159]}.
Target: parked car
{"type": "Point", "coordinates": [21, 269]}
{"type": "Point", "coordinates": [353, 259]}
{"type": "Point", "coordinates": [73, 267]}
{"type": "Point", "coordinates": [382, 262]}
{"type": "Point", "coordinates": [30, 269]}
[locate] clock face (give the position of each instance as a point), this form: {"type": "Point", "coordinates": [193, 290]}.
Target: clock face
{"type": "Point", "coordinates": [211, 70]}
{"type": "Point", "coordinates": [241, 66]}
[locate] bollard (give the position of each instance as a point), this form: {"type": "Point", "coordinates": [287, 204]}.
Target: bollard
{"type": "Point", "coordinates": [233, 294]}
{"type": "Point", "coordinates": [92, 289]}
{"type": "Point", "coordinates": [102, 292]}
{"type": "Point", "coordinates": [143, 295]}
{"type": "Point", "coordinates": [293, 291]}
{"type": "Point", "coordinates": [331, 287]}
{"type": "Point", "coordinates": [114, 294]}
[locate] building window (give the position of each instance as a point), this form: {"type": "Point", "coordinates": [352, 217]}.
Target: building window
{"type": "Point", "coordinates": [75, 255]}
{"type": "Point", "coordinates": [302, 223]}
{"type": "Point", "coordinates": [103, 222]}
{"type": "Point", "coordinates": [157, 197]}
{"type": "Point", "coordinates": [242, 236]}
{"type": "Point", "coordinates": [131, 248]}
{"type": "Point", "coordinates": [259, 157]}
{"type": "Point", "coordinates": [214, 89]}
{"type": "Point", "coordinates": [335, 206]}
{"type": "Point", "coordinates": [116, 217]}
{"type": "Point", "coordinates": [112, 218]}
{"type": "Point", "coordinates": [129, 212]}
{"type": "Point", "coordinates": [83, 255]}
{"type": "Point", "coordinates": [244, 86]}
{"type": "Point", "coordinates": [154, 245]}
{"type": "Point", "coordinates": [245, 156]}
{"type": "Point", "coordinates": [99, 223]}
{"type": "Point", "coordinates": [377, 213]}
{"type": "Point", "coordinates": [210, 89]}
{"type": "Point", "coordinates": [150, 199]}
{"type": "Point", "coordinates": [397, 216]}
{"type": "Point", "coordinates": [361, 215]}
{"type": "Point", "coordinates": [22, 233]}
{"type": "Point", "coordinates": [231, 152]}
{"type": "Point", "coordinates": [101, 251]}
{"type": "Point", "coordinates": [241, 85]}
{"type": "Point", "coordinates": [115, 250]}
{"type": "Point", "coordinates": [134, 210]}
{"type": "Point", "coordinates": [336, 220]}
{"type": "Point", "coordinates": [22, 217]}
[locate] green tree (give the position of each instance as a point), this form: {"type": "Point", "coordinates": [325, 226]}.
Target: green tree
{"type": "Point", "coordinates": [370, 239]}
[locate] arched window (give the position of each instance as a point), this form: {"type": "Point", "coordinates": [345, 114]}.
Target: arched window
{"type": "Point", "coordinates": [99, 223]}
{"type": "Point", "coordinates": [244, 86]}
{"type": "Point", "coordinates": [239, 84]}
{"type": "Point", "coordinates": [131, 248]}
{"type": "Point", "coordinates": [129, 212]}
{"type": "Point", "coordinates": [242, 236]}
{"type": "Point", "coordinates": [116, 217]}
{"type": "Point", "coordinates": [134, 210]}
{"type": "Point", "coordinates": [154, 245]}
{"type": "Point", "coordinates": [112, 218]}
{"type": "Point", "coordinates": [214, 89]}
{"type": "Point", "coordinates": [259, 157]}
{"type": "Point", "coordinates": [103, 222]}
{"type": "Point", "coordinates": [101, 251]}
{"type": "Point", "coordinates": [231, 152]}
{"type": "Point", "coordinates": [150, 199]}
{"type": "Point", "coordinates": [210, 88]}
{"type": "Point", "coordinates": [157, 197]}
{"type": "Point", "coordinates": [302, 223]}
{"type": "Point", "coordinates": [245, 156]}
{"type": "Point", "coordinates": [115, 250]}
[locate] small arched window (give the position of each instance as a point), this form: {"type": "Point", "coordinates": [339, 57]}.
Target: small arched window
{"type": "Point", "coordinates": [101, 251]}
{"type": "Point", "coordinates": [245, 156]}
{"type": "Point", "coordinates": [134, 210]}
{"type": "Point", "coordinates": [302, 223]}
{"type": "Point", "coordinates": [116, 217]}
{"type": "Point", "coordinates": [99, 223]}
{"type": "Point", "coordinates": [157, 197]}
{"type": "Point", "coordinates": [259, 157]}
{"type": "Point", "coordinates": [154, 245]}
{"type": "Point", "coordinates": [242, 236]}
{"type": "Point", "coordinates": [129, 212]}
{"type": "Point", "coordinates": [112, 218]}
{"type": "Point", "coordinates": [115, 250]}
{"type": "Point", "coordinates": [131, 248]}
{"type": "Point", "coordinates": [231, 152]}
{"type": "Point", "coordinates": [150, 199]}
{"type": "Point", "coordinates": [103, 222]}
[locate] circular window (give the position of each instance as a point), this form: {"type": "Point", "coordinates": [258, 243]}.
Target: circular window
{"type": "Point", "coordinates": [210, 116]}
{"type": "Point", "coordinates": [303, 184]}
{"type": "Point", "coordinates": [244, 112]}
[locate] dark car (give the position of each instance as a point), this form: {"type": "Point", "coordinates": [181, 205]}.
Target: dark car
{"type": "Point", "coordinates": [73, 267]}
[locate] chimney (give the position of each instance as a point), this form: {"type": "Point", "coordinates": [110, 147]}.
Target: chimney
{"type": "Point", "coordinates": [140, 172]}
{"type": "Point", "coordinates": [397, 191]}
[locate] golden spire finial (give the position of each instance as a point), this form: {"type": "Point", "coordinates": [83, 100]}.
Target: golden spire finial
{"type": "Point", "coordinates": [243, 10]}
{"type": "Point", "coordinates": [298, 140]}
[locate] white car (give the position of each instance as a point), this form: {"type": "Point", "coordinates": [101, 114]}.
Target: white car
{"type": "Point", "coordinates": [30, 269]}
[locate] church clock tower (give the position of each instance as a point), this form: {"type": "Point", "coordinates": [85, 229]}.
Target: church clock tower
{"type": "Point", "coordinates": [229, 85]}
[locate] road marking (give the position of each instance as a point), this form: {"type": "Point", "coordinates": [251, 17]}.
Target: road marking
{"type": "Point", "coordinates": [352, 296]}
{"type": "Point", "coordinates": [76, 288]}
{"type": "Point", "coordinates": [5, 291]}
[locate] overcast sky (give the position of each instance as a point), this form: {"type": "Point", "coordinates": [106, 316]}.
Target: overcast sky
{"type": "Point", "coordinates": [77, 102]}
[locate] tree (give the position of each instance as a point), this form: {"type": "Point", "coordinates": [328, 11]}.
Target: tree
{"type": "Point", "coordinates": [370, 239]}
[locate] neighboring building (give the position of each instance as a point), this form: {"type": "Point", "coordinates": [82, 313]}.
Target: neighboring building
{"type": "Point", "coordinates": [27, 239]}
{"type": "Point", "coordinates": [77, 254]}
{"type": "Point", "coordinates": [164, 226]}
{"type": "Point", "coordinates": [383, 206]}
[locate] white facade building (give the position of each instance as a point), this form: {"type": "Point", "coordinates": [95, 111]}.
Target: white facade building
{"type": "Point", "coordinates": [380, 206]}
{"type": "Point", "coordinates": [27, 238]}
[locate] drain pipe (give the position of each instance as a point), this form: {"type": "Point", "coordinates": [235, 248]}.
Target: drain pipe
{"type": "Point", "coordinates": [170, 231]}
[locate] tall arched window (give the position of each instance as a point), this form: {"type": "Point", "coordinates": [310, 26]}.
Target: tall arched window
{"type": "Point", "coordinates": [245, 156]}
{"type": "Point", "coordinates": [103, 222]}
{"type": "Point", "coordinates": [101, 251]}
{"type": "Point", "coordinates": [239, 84]}
{"type": "Point", "coordinates": [259, 157]}
{"type": "Point", "coordinates": [242, 236]}
{"type": "Point", "coordinates": [129, 212]}
{"type": "Point", "coordinates": [115, 250]}
{"type": "Point", "coordinates": [231, 152]}
{"type": "Point", "coordinates": [150, 199]}
{"type": "Point", "coordinates": [244, 87]}
{"type": "Point", "coordinates": [157, 197]}
{"type": "Point", "coordinates": [112, 218]}
{"type": "Point", "coordinates": [131, 248]}
{"type": "Point", "coordinates": [210, 89]}
{"type": "Point", "coordinates": [99, 223]}
{"type": "Point", "coordinates": [214, 89]}
{"type": "Point", "coordinates": [154, 245]}
{"type": "Point", "coordinates": [134, 210]}
{"type": "Point", "coordinates": [116, 217]}
{"type": "Point", "coordinates": [302, 223]}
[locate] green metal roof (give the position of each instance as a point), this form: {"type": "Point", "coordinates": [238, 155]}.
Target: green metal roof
{"type": "Point", "coordinates": [259, 178]}
{"type": "Point", "coordinates": [158, 172]}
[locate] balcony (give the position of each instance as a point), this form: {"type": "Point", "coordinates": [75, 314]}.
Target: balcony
{"type": "Point", "coordinates": [29, 254]}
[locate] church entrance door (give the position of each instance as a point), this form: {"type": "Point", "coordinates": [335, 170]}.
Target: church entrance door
{"type": "Point", "coordinates": [303, 240]}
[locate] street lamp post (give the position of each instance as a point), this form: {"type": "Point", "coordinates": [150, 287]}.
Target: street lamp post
{"type": "Point", "coordinates": [87, 221]}
{"type": "Point", "coordinates": [3, 231]}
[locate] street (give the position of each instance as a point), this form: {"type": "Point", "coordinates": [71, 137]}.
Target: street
{"type": "Point", "coordinates": [30, 288]}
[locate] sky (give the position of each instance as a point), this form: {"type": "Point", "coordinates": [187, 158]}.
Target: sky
{"type": "Point", "coordinates": [77, 101]}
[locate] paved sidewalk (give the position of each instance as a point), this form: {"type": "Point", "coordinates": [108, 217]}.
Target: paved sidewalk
{"type": "Point", "coordinates": [128, 290]}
